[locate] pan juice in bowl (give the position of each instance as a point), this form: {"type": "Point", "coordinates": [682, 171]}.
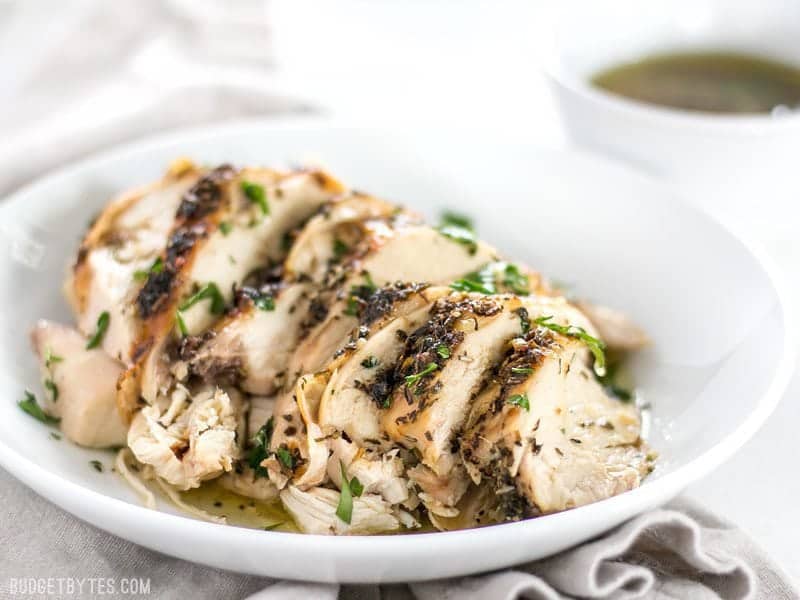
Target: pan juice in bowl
{"type": "Point", "coordinates": [706, 81]}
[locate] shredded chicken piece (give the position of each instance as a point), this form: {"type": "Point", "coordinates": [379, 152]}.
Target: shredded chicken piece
{"type": "Point", "coordinates": [199, 444]}
{"type": "Point", "coordinates": [314, 511]}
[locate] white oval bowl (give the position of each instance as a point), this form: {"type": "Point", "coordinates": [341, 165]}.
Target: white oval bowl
{"type": "Point", "coordinates": [721, 358]}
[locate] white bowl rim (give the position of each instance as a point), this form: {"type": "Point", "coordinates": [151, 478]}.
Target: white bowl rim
{"type": "Point", "coordinates": [403, 547]}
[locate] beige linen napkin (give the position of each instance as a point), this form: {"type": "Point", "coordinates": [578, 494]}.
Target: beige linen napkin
{"type": "Point", "coordinates": [100, 73]}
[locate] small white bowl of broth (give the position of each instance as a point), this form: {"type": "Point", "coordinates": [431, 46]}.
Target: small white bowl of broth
{"type": "Point", "coordinates": [705, 93]}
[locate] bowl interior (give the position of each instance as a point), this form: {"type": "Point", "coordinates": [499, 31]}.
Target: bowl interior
{"type": "Point", "coordinates": [614, 236]}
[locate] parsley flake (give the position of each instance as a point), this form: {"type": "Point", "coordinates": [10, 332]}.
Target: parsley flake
{"type": "Point", "coordinates": [339, 249]}
{"type": "Point", "coordinates": [156, 267]}
{"type": "Point", "coordinates": [522, 370]}
{"type": "Point", "coordinates": [369, 362]}
{"type": "Point", "coordinates": [596, 346]}
{"type": "Point", "coordinates": [257, 195]}
{"type": "Point", "coordinates": [494, 277]}
{"type": "Point", "coordinates": [285, 457]}
{"type": "Point", "coordinates": [52, 388]}
{"type": "Point", "coordinates": [260, 448]}
{"type": "Point", "coordinates": [459, 228]}
{"type": "Point", "coordinates": [31, 406]}
{"type": "Point", "coordinates": [350, 488]}
{"type": "Point", "coordinates": [208, 292]}
{"type": "Point", "coordinates": [520, 400]}
{"type": "Point", "coordinates": [415, 378]}
{"type": "Point", "coordinates": [50, 358]}
{"type": "Point", "coordinates": [102, 326]}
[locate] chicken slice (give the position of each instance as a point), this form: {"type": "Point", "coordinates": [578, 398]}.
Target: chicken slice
{"type": "Point", "coordinates": [446, 361]}
{"type": "Point", "coordinates": [315, 407]}
{"type": "Point", "coordinates": [83, 387]}
{"type": "Point", "coordinates": [404, 253]}
{"type": "Point", "coordinates": [346, 226]}
{"type": "Point", "coordinates": [546, 436]}
{"type": "Point", "coordinates": [257, 206]}
{"type": "Point", "coordinates": [443, 361]}
{"type": "Point", "coordinates": [122, 244]}
{"type": "Point", "coordinates": [364, 371]}
{"type": "Point", "coordinates": [314, 511]}
{"type": "Point", "coordinates": [251, 347]}
{"type": "Point", "coordinates": [197, 444]}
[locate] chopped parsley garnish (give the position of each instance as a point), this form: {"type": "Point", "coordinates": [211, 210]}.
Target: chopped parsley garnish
{"type": "Point", "coordinates": [457, 219]}
{"type": "Point", "coordinates": [225, 227]}
{"type": "Point", "coordinates": [369, 362]}
{"type": "Point", "coordinates": [350, 488]}
{"type": "Point", "coordinates": [415, 378]}
{"type": "Point", "coordinates": [359, 295]}
{"type": "Point", "coordinates": [524, 320]}
{"type": "Point", "coordinates": [97, 465]}
{"type": "Point", "coordinates": [285, 457]}
{"type": "Point", "coordinates": [260, 448]}
{"type": "Point", "coordinates": [208, 292]}
{"type": "Point", "coordinates": [52, 387]}
{"type": "Point", "coordinates": [490, 277]}
{"type": "Point", "coordinates": [471, 283]}
{"type": "Point", "coordinates": [339, 248]}
{"type": "Point", "coordinates": [459, 229]}
{"type": "Point", "coordinates": [181, 324]}
{"type": "Point", "coordinates": [515, 280]}
{"type": "Point", "coordinates": [521, 370]}
{"type": "Point", "coordinates": [55, 436]}
{"type": "Point", "coordinates": [257, 195]}
{"type": "Point", "coordinates": [156, 267]}
{"type": "Point", "coordinates": [102, 325]}
{"type": "Point", "coordinates": [265, 302]}
{"type": "Point", "coordinates": [260, 300]}
{"type": "Point", "coordinates": [443, 350]}
{"type": "Point", "coordinates": [287, 239]}
{"type": "Point", "coordinates": [273, 526]}
{"type": "Point", "coordinates": [50, 358]}
{"type": "Point", "coordinates": [596, 346]}
{"type": "Point", "coordinates": [520, 400]}
{"type": "Point", "coordinates": [31, 406]}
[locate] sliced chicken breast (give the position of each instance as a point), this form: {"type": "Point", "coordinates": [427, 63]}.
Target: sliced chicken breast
{"type": "Point", "coordinates": [544, 434]}
{"type": "Point", "coordinates": [80, 386]}
{"type": "Point", "coordinates": [404, 255]}
{"type": "Point", "coordinates": [228, 224]}
{"type": "Point", "coordinates": [120, 248]}
{"type": "Point", "coordinates": [188, 441]}
{"type": "Point", "coordinates": [445, 364]}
